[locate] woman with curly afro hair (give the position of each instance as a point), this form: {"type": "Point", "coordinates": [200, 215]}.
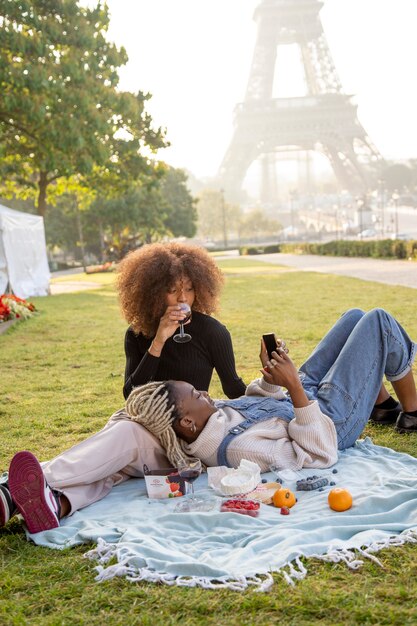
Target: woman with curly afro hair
{"type": "Point", "coordinates": [153, 282]}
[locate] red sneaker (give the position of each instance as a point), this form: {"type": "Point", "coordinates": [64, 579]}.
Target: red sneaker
{"type": "Point", "coordinates": [34, 498]}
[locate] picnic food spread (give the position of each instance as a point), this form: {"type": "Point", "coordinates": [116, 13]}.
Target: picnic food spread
{"type": "Point", "coordinates": [244, 488]}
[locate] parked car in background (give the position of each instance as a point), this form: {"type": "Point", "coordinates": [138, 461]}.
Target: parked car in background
{"type": "Point", "coordinates": [368, 233]}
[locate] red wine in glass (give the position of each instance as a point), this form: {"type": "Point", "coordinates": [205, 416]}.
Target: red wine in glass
{"type": "Point", "coordinates": [183, 337]}
{"type": "Point", "coordinates": [190, 470]}
{"type": "Point", "coordinates": [189, 475]}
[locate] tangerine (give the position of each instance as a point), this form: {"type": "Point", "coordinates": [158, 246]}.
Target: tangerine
{"type": "Point", "coordinates": [339, 499]}
{"type": "Point", "coordinates": [284, 497]}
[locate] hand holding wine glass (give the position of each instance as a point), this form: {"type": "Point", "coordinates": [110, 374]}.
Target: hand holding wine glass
{"type": "Point", "coordinates": [183, 337]}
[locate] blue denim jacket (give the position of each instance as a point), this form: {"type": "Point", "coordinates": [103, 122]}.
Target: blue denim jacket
{"type": "Point", "coordinates": [254, 409]}
{"type": "Point", "coordinates": [344, 374]}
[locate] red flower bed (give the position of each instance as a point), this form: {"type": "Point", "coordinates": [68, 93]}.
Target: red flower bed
{"type": "Point", "coordinates": [12, 307]}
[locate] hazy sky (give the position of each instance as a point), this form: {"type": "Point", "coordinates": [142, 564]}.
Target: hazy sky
{"type": "Point", "coordinates": [194, 57]}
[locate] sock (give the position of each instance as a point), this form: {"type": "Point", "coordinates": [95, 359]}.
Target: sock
{"type": "Point", "coordinates": [389, 403]}
{"type": "Point", "coordinates": [412, 413]}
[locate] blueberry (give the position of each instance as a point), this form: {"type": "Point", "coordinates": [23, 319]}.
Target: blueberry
{"type": "Point", "coordinates": [332, 483]}
{"type": "Point", "coordinates": [334, 471]}
{"type": "Point", "coordinates": [264, 480]}
{"type": "Point", "coordinates": [321, 489]}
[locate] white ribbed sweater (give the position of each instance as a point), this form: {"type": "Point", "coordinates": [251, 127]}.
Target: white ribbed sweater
{"type": "Point", "coordinates": [309, 440]}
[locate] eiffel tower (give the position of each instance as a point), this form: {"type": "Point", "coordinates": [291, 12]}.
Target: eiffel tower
{"type": "Point", "coordinates": [324, 120]}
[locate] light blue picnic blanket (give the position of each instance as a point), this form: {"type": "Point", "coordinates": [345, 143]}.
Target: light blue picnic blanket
{"type": "Point", "coordinates": [146, 540]}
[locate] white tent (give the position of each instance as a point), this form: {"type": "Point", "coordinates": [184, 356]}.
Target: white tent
{"type": "Point", "coordinates": [23, 260]}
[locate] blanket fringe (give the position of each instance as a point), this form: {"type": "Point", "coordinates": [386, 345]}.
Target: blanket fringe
{"type": "Point", "coordinates": [336, 555]}
{"type": "Point", "coordinates": [291, 572]}
{"type": "Point", "coordinates": [292, 575]}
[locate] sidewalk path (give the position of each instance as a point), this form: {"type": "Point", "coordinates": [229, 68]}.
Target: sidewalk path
{"type": "Point", "coordinates": [72, 286]}
{"type": "Point", "coordinates": [394, 272]}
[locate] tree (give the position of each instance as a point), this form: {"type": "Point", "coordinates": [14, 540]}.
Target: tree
{"type": "Point", "coordinates": [216, 218]}
{"type": "Point", "coordinates": [148, 212]}
{"type": "Point", "coordinates": [256, 224]}
{"type": "Point", "coordinates": [180, 205]}
{"type": "Point", "coordinates": [60, 112]}
{"type": "Point", "coordinates": [208, 208]}
{"type": "Point", "coordinates": [397, 176]}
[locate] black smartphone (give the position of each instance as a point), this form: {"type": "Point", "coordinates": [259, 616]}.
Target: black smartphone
{"type": "Point", "coordinates": [270, 343]}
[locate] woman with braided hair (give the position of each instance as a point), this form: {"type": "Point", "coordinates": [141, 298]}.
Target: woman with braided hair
{"type": "Point", "coordinates": [153, 282]}
{"type": "Point", "coordinates": [322, 412]}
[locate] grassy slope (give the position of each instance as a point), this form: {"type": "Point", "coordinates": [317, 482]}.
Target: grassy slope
{"type": "Point", "coordinates": [61, 378]}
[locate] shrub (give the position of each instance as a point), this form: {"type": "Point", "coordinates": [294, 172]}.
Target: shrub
{"type": "Point", "coordinates": [381, 249]}
{"type": "Point", "coordinates": [272, 248]}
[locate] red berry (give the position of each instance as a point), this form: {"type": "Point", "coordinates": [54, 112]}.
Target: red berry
{"type": "Point", "coordinates": [285, 510]}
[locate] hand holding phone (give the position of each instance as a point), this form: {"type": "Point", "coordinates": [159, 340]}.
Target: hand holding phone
{"type": "Point", "coordinates": [270, 342]}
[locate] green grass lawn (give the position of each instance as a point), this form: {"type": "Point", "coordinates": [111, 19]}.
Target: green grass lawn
{"type": "Point", "coordinates": [62, 377]}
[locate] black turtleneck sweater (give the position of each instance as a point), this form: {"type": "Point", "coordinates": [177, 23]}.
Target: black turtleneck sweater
{"type": "Point", "coordinates": [210, 348]}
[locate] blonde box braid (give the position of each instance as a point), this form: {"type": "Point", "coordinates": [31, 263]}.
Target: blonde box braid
{"type": "Point", "coordinates": [150, 406]}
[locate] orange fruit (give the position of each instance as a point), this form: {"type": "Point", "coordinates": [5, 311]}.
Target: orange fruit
{"type": "Point", "coordinates": [339, 499]}
{"type": "Point", "coordinates": [284, 497]}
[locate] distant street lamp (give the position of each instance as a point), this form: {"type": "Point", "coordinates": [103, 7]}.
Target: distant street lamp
{"type": "Point", "coordinates": [381, 198]}
{"type": "Point", "coordinates": [360, 204]}
{"type": "Point", "coordinates": [293, 196]}
{"type": "Point", "coordinates": [336, 219]}
{"type": "Point", "coordinates": [223, 210]}
{"type": "Point", "coordinates": [319, 223]}
{"type": "Point", "coordinates": [395, 197]}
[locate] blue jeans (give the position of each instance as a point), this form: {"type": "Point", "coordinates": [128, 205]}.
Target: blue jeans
{"type": "Point", "coordinates": [346, 369]}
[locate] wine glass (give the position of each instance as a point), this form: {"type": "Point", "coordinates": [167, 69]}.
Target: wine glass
{"type": "Point", "coordinates": [275, 469]}
{"type": "Point", "coordinates": [189, 470]}
{"type": "Point", "coordinates": [183, 337]}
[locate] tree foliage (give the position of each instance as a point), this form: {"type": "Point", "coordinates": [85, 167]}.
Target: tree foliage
{"type": "Point", "coordinates": [147, 213]}
{"type": "Point", "coordinates": [217, 219]}
{"type": "Point", "coordinates": [397, 176]}
{"type": "Point", "coordinates": [256, 224]}
{"type": "Point", "coordinates": [60, 111]}
{"type": "Point", "coordinates": [108, 227]}
{"type": "Point", "coordinates": [181, 212]}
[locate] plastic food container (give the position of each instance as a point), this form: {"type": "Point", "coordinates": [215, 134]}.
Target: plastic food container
{"type": "Point", "coordinates": [163, 483]}
{"type": "Point", "coordinates": [245, 507]}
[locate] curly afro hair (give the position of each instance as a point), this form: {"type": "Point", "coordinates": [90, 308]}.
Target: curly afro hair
{"type": "Point", "coordinates": [146, 275]}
